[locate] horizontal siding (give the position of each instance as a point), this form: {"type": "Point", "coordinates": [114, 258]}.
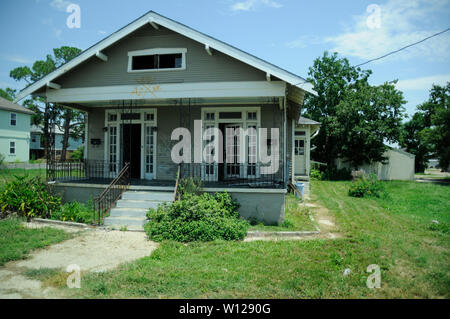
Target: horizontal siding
{"type": "Point", "coordinates": [200, 66]}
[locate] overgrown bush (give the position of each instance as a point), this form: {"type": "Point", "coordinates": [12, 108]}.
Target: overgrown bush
{"type": "Point", "coordinates": [366, 186]}
{"type": "Point", "coordinates": [74, 212]}
{"type": "Point", "coordinates": [191, 185]}
{"type": "Point", "coordinates": [2, 159]}
{"type": "Point", "coordinates": [29, 197]}
{"type": "Point", "coordinates": [316, 174]}
{"type": "Point", "coordinates": [203, 217]}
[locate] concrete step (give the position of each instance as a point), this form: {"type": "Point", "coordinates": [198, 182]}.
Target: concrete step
{"type": "Point", "coordinates": [154, 196]}
{"type": "Point", "coordinates": [128, 212]}
{"type": "Point", "coordinates": [125, 221]}
{"type": "Point", "coordinates": [131, 203]}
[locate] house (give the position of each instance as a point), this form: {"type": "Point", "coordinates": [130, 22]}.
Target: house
{"type": "Point", "coordinates": [155, 84]}
{"type": "Point", "coordinates": [14, 131]}
{"type": "Point", "coordinates": [37, 143]}
{"type": "Point", "coordinates": [399, 165]}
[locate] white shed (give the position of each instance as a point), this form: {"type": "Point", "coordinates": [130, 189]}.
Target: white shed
{"type": "Point", "coordinates": [399, 166]}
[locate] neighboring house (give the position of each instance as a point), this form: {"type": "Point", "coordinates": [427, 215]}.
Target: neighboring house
{"type": "Point", "coordinates": [305, 130]}
{"type": "Point", "coordinates": [399, 166]}
{"type": "Point", "coordinates": [155, 75]}
{"type": "Point", "coordinates": [37, 142]}
{"type": "Point", "coordinates": [14, 131]}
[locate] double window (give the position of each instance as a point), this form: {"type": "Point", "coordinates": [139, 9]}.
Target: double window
{"type": "Point", "coordinates": [157, 60]}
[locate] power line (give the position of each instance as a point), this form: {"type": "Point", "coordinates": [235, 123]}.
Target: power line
{"type": "Point", "coordinates": [405, 47]}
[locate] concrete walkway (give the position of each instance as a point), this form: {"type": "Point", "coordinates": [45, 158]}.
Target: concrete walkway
{"type": "Point", "coordinates": [92, 250]}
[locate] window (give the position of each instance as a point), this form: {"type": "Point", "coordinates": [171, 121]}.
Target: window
{"type": "Point", "coordinates": [112, 117]}
{"type": "Point", "coordinates": [13, 119]}
{"type": "Point", "coordinates": [157, 59]}
{"type": "Point", "coordinates": [251, 115]}
{"type": "Point", "coordinates": [300, 133]}
{"type": "Point", "coordinates": [299, 148]}
{"type": "Point", "coordinates": [33, 138]}
{"type": "Point", "coordinates": [210, 116]}
{"type": "Point", "coordinates": [130, 116]}
{"type": "Point", "coordinates": [149, 116]}
{"type": "Point", "coordinates": [230, 115]}
{"type": "Point", "coordinates": [12, 147]}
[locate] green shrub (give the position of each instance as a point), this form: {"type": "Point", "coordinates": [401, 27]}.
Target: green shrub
{"type": "Point", "coordinates": [29, 197]}
{"type": "Point", "coordinates": [366, 186]}
{"type": "Point", "coordinates": [191, 185]}
{"type": "Point", "coordinates": [2, 159]}
{"type": "Point", "coordinates": [77, 154]}
{"type": "Point", "coordinates": [203, 217]}
{"type": "Point", "coordinates": [74, 212]}
{"type": "Point", "coordinates": [316, 174]}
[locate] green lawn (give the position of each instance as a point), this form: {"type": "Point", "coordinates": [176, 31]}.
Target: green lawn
{"type": "Point", "coordinates": [395, 232]}
{"type": "Point", "coordinates": [7, 174]}
{"type": "Point", "coordinates": [16, 241]}
{"type": "Point", "coordinates": [296, 218]}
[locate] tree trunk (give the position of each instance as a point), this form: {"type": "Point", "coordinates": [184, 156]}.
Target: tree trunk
{"type": "Point", "coordinates": [65, 142]}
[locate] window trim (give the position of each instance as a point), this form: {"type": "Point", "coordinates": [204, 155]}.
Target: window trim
{"type": "Point", "coordinates": [181, 51]}
{"type": "Point", "coordinates": [10, 118]}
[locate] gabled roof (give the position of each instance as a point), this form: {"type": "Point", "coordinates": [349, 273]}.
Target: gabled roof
{"type": "Point", "coordinates": [10, 106]}
{"type": "Point", "coordinates": [155, 18]}
{"type": "Point", "coordinates": [307, 121]}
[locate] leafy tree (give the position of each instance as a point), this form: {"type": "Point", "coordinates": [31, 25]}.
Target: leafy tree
{"type": "Point", "coordinates": [8, 94]}
{"type": "Point", "coordinates": [436, 112]}
{"type": "Point", "coordinates": [39, 69]}
{"type": "Point", "coordinates": [415, 138]}
{"type": "Point", "coordinates": [357, 118]}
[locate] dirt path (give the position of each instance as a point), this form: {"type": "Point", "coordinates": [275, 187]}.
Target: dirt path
{"type": "Point", "coordinates": [92, 250]}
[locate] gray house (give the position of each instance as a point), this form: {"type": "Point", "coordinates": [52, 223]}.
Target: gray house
{"type": "Point", "coordinates": [156, 75]}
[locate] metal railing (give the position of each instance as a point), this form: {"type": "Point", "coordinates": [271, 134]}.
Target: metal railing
{"type": "Point", "coordinates": [175, 192]}
{"type": "Point", "coordinates": [107, 199]}
{"type": "Point", "coordinates": [82, 170]}
{"type": "Point", "coordinates": [232, 175]}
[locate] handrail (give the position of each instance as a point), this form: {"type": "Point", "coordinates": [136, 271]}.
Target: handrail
{"type": "Point", "coordinates": [104, 202]}
{"type": "Point", "coordinates": [176, 183]}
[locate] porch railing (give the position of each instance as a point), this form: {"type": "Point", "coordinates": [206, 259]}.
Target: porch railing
{"type": "Point", "coordinates": [232, 175]}
{"type": "Point", "coordinates": [82, 170]}
{"type": "Point", "coordinates": [107, 199]}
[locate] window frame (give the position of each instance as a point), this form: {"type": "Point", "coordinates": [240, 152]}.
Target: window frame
{"type": "Point", "coordinates": [10, 119]}
{"type": "Point", "coordinates": [14, 147]}
{"type": "Point", "coordinates": [159, 51]}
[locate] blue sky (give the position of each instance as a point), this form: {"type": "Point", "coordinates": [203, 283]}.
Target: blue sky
{"type": "Point", "coordinates": [288, 33]}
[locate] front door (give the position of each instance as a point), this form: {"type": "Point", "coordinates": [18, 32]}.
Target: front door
{"type": "Point", "coordinates": [232, 152]}
{"type": "Point", "coordinates": [131, 148]}
{"type": "Point", "coordinates": [299, 154]}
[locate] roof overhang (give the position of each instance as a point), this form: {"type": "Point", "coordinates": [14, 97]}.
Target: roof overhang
{"type": "Point", "coordinates": [154, 18]}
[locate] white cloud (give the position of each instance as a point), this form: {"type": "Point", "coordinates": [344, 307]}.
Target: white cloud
{"type": "Point", "coordinates": [253, 4]}
{"type": "Point", "coordinates": [402, 23]}
{"type": "Point", "coordinates": [422, 83]}
{"type": "Point", "coordinates": [60, 4]}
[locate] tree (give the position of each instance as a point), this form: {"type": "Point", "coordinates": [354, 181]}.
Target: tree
{"type": "Point", "coordinates": [39, 69]}
{"type": "Point", "coordinates": [8, 94]}
{"type": "Point", "coordinates": [357, 118]}
{"type": "Point", "coordinates": [436, 112]}
{"type": "Point", "coordinates": [415, 138]}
